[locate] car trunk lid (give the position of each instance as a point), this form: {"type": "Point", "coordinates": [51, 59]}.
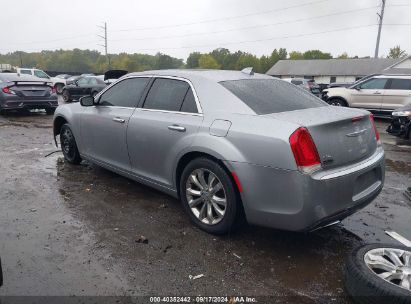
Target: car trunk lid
{"type": "Point", "coordinates": [342, 136]}
{"type": "Point", "coordinates": [31, 90]}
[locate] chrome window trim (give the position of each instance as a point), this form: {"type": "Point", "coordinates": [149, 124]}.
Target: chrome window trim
{"type": "Point", "coordinates": [199, 108]}
{"type": "Point", "coordinates": [171, 112]}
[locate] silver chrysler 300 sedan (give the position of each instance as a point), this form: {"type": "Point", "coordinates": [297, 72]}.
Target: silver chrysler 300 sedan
{"type": "Point", "coordinates": [231, 145]}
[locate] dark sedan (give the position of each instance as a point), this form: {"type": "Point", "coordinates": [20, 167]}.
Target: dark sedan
{"type": "Point", "coordinates": [25, 93]}
{"type": "Point", "coordinates": [83, 86]}
{"type": "Point", "coordinates": [401, 122]}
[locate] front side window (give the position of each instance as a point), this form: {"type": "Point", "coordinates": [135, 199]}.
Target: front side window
{"type": "Point", "coordinates": [166, 94]}
{"type": "Point", "coordinates": [126, 93]}
{"type": "Point", "coordinates": [40, 74]}
{"type": "Point", "coordinates": [82, 81]}
{"type": "Point", "coordinates": [400, 84]}
{"type": "Point", "coordinates": [374, 84]}
{"type": "Point", "coordinates": [266, 96]}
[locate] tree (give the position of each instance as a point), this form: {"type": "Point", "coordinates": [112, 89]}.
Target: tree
{"type": "Point", "coordinates": [192, 60]}
{"type": "Point", "coordinates": [294, 55]}
{"type": "Point", "coordinates": [396, 52]}
{"type": "Point", "coordinates": [316, 54]}
{"type": "Point", "coordinates": [343, 56]}
{"type": "Point", "coordinates": [207, 61]}
{"type": "Point", "coordinates": [248, 60]}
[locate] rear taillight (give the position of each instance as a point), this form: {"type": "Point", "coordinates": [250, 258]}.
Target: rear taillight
{"type": "Point", "coordinates": [304, 150]}
{"type": "Point", "coordinates": [7, 90]}
{"type": "Point", "coordinates": [377, 135]}
{"type": "Point", "coordinates": [53, 90]}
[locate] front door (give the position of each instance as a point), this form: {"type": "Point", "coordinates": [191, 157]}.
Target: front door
{"type": "Point", "coordinates": [104, 125]}
{"type": "Point", "coordinates": [369, 94]}
{"type": "Point", "coordinates": [164, 127]}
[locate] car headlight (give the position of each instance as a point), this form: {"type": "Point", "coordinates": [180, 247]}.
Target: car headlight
{"type": "Point", "coordinates": [401, 113]}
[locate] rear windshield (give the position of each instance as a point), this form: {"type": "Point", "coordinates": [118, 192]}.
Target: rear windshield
{"type": "Point", "coordinates": [266, 96]}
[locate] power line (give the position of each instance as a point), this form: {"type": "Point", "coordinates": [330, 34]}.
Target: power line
{"type": "Point", "coordinates": [247, 27]}
{"type": "Point", "coordinates": [221, 19]}
{"type": "Point", "coordinates": [260, 40]}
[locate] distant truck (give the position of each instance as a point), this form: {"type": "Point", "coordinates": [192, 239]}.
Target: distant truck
{"type": "Point", "coordinates": [58, 83]}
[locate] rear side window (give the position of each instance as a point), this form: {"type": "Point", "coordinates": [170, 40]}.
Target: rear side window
{"type": "Point", "coordinates": [400, 84]}
{"type": "Point", "coordinates": [166, 94]}
{"type": "Point", "coordinates": [265, 96]}
{"type": "Point", "coordinates": [189, 104]}
{"type": "Point", "coordinates": [26, 72]}
{"type": "Point", "coordinates": [126, 93]}
{"type": "Point", "coordinates": [296, 82]}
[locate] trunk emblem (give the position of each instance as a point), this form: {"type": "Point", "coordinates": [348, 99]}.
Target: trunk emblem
{"type": "Point", "coordinates": [356, 134]}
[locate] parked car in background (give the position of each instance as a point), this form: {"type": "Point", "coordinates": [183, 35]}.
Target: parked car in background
{"type": "Point", "coordinates": [401, 122]}
{"type": "Point", "coordinates": [380, 94]}
{"type": "Point", "coordinates": [82, 86]}
{"type": "Point", "coordinates": [58, 83]}
{"type": "Point", "coordinates": [72, 79]}
{"type": "Point", "coordinates": [307, 84]}
{"type": "Point", "coordinates": [25, 93]}
{"type": "Point", "coordinates": [229, 143]}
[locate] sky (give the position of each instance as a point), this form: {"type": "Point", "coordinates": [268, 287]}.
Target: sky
{"type": "Point", "coordinates": [179, 27]}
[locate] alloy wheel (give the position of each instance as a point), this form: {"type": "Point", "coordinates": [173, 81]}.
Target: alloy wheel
{"type": "Point", "coordinates": [391, 264]}
{"type": "Point", "coordinates": [206, 196]}
{"type": "Point", "coordinates": [67, 144]}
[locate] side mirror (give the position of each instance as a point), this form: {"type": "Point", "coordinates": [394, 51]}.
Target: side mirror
{"type": "Point", "coordinates": [358, 88]}
{"type": "Point", "coordinates": [76, 83]}
{"type": "Point", "coordinates": [87, 101]}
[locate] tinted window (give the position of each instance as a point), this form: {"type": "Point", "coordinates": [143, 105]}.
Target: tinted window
{"type": "Point", "coordinates": [166, 94]}
{"type": "Point", "coordinates": [126, 93]}
{"type": "Point", "coordinates": [27, 72]}
{"type": "Point", "coordinates": [265, 96]}
{"type": "Point", "coordinates": [189, 104]}
{"type": "Point", "coordinates": [40, 74]}
{"type": "Point", "coordinates": [400, 84]}
{"type": "Point", "coordinates": [374, 84]}
{"type": "Point", "coordinates": [296, 82]}
{"type": "Point", "coordinates": [82, 81]}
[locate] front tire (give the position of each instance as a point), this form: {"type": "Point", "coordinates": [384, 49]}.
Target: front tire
{"type": "Point", "coordinates": [338, 102]}
{"type": "Point", "coordinates": [209, 196]}
{"type": "Point", "coordinates": [69, 146]}
{"type": "Point", "coordinates": [373, 277]}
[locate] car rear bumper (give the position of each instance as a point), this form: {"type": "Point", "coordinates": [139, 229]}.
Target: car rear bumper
{"type": "Point", "coordinates": [28, 104]}
{"type": "Point", "coordinates": [290, 200]}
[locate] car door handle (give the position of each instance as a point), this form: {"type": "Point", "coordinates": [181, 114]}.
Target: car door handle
{"type": "Point", "coordinates": [118, 119]}
{"type": "Point", "coordinates": [177, 128]}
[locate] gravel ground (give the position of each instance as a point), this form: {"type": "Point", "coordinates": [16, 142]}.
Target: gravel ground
{"type": "Point", "coordinates": [80, 230]}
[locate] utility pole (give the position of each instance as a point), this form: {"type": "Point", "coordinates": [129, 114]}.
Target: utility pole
{"type": "Point", "coordinates": [381, 17]}
{"type": "Point", "coordinates": [105, 42]}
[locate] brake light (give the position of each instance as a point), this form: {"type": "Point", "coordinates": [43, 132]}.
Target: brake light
{"type": "Point", "coordinates": [7, 90]}
{"type": "Point", "coordinates": [304, 150]}
{"type": "Point", "coordinates": [53, 90]}
{"type": "Point", "coordinates": [377, 134]}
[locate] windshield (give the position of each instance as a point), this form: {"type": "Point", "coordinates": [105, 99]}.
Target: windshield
{"type": "Point", "coordinates": [266, 96]}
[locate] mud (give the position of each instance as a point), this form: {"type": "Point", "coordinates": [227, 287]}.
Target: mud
{"type": "Point", "coordinates": [78, 230]}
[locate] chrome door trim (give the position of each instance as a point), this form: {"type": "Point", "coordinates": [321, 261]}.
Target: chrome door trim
{"type": "Point", "coordinates": [171, 112]}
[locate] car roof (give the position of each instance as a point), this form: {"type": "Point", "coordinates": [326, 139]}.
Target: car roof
{"type": "Point", "coordinates": [393, 76]}
{"type": "Point", "coordinates": [210, 75]}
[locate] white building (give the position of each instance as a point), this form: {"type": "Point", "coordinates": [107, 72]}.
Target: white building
{"type": "Point", "coordinates": [339, 70]}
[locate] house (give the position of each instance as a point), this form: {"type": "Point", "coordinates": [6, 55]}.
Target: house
{"type": "Point", "coordinates": [339, 70]}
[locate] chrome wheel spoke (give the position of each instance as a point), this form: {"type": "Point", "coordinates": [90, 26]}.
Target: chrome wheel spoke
{"type": "Point", "coordinates": [405, 282]}
{"type": "Point", "coordinates": [193, 192]}
{"type": "Point", "coordinates": [201, 179]}
{"type": "Point", "coordinates": [194, 179]}
{"type": "Point", "coordinates": [376, 261]}
{"type": "Point", "coordinates": [219, 200]}
{"type": "Point", "coordinates": [211, 180]}
{"type": "Point", "coordinates": [202, 213]}
{"type": "Point", "coordinates": [217, 188]}
{"type": "Point", "coordinates": [209, 214]}
{"type": "Point", "coordinates": [195, 202]}
{"type": "Point", "coordinates": [218, 210]}
{"type": "Point", "coordinates": [394, 257]}
{"type": "Point", "coordinates": [386, 275]}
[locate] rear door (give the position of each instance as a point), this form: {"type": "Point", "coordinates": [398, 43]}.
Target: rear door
{"type": "Point", "coordinates": [104, 126]}
{"type": "Point", "coordinates": [397, 95]}
{"type": "Point", "coordinates": [369, 94]}
{"type": "Point", "coordinates": [162, 128]}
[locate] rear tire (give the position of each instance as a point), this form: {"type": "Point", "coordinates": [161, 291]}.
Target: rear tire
{"type": "Point", "coordinates": [66, 96]}
{"type": "Point", "coordinates": [207, 197]}
{"type": "Point", "coordinates": [338, 102]}
{"type": "Point", "coordinates": [69, 146]}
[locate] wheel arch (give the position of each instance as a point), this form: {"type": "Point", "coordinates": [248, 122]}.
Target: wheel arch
{"type": "Point", "coordinates": [341, 98]}
{"type": "Point", "coordinates": [185, 159]}
{"type": "Point", "coordinates": [58, 122]}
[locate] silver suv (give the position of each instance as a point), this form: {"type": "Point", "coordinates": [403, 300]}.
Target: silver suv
{"type": "Point", "coordinates": [380, 94]}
